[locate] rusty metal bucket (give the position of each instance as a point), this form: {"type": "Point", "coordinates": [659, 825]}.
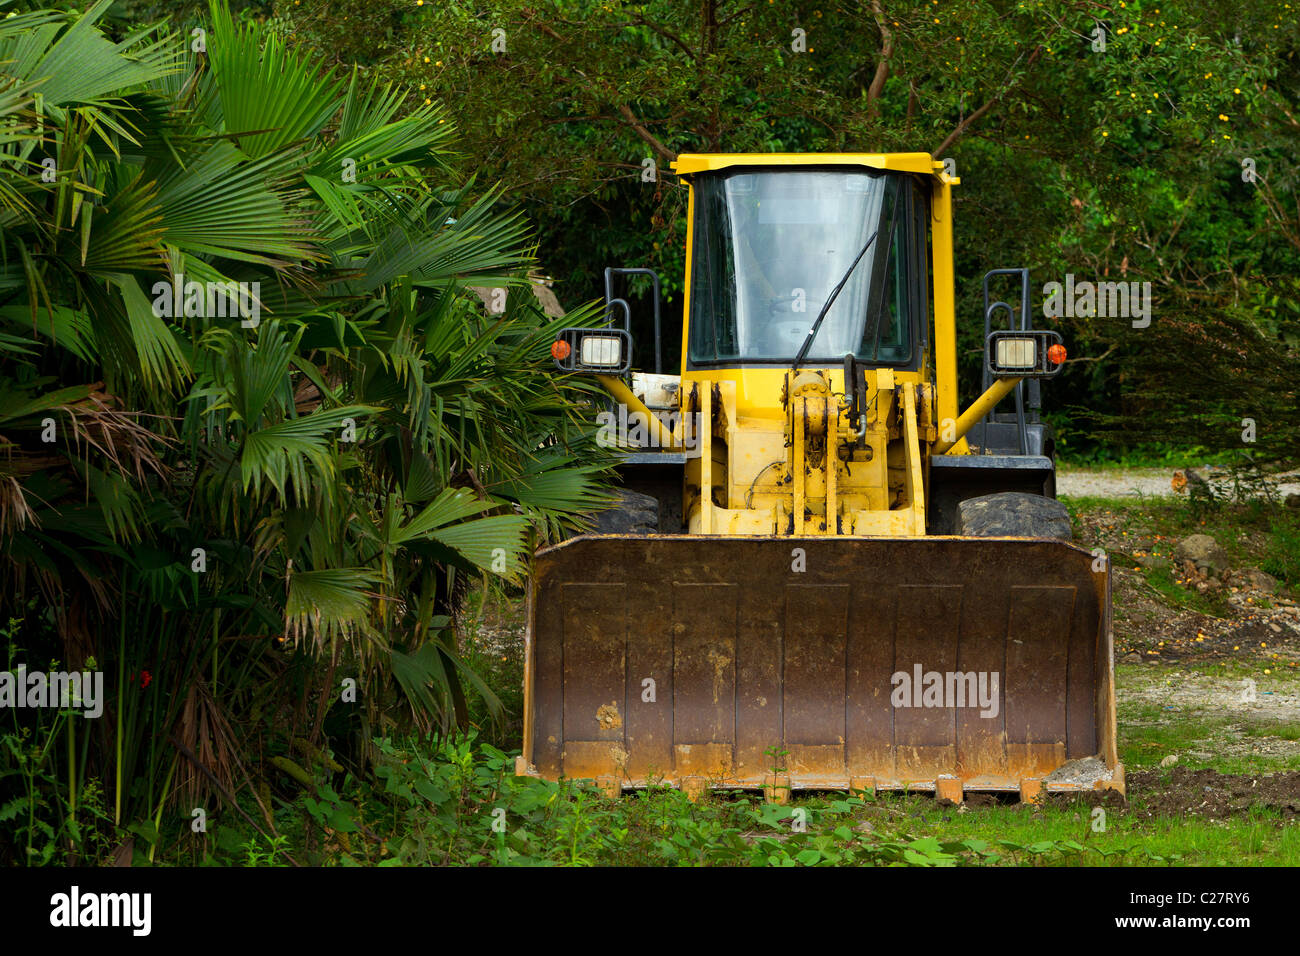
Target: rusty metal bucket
{"type": "Point", "coordinates": [936, 663]}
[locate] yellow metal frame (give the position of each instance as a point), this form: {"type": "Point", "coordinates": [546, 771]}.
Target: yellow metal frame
{"type": "Point", "coordinates": [688, 163]}
{"type": "Point", "coordinates": [945, 315]}
{"type": "Point", "coordinates": [615, 387]}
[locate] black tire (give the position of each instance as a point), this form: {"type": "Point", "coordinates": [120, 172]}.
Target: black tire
{"type": "Point", "coordinates": [634, 513]}
{"type": "Point", "coordinates": [1013, 514]}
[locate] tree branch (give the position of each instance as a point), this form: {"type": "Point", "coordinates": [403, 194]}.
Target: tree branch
{"type": "Point", "coordinates": [964, 125]}
{"type": "Point", "coordinates": [735, 13]}
{"type": "Point", "coordinates": [971, 120]}
{"type": "Point", "coordinates": [645, 134]}
{"type": "Point", "coordinates": [882, 68]}
{"type": "Point", "coordinates": [668, 35]}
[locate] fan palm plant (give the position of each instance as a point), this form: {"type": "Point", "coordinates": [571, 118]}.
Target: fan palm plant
{"type": "Point", "coordinates": [247, 396]}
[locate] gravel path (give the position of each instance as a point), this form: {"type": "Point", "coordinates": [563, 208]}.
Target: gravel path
{"type": "Point", "coordinates": [1135, 482]}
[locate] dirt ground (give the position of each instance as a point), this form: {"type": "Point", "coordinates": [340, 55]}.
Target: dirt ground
{"type": "Point", "coordinates": [1207, 669]}
{"type": "Point", "coordinates": [1206, 793]}
{"type": "Point", "coordinates": [1244, 618]}
{"type": "Point", "coordinates": [1185, 792]}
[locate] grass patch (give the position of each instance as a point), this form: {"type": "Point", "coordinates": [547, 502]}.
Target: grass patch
{"type": "Point", "coordinates": [1246, 764]}
{"type": "Point", "coordinates": [1079, 505]}
{"type": "Point", "coordinates": [1128, 838]}
{"type": "Point", "coordinates": [1143, 746]}
{"type": "Point", "coordinates": [459, 803]}
{"type": "Point", "coordinates": [1163, 458]}
{"type": "Point", "coordinates": [1202, 734]}
{"type": "Point", "coordinates": [1175, 594]}
{"type": "Point", "coordinates": [1281, 557]}
{"type": "Point", "coordinates": [1283, 731]}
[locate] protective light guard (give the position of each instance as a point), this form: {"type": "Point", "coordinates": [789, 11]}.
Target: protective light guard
{"type": "Point", "coordinates": [573, 337]}
{"type": "Point", "coordinates": [1036, 342]}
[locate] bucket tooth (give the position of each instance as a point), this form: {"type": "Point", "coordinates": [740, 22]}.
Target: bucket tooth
{"type": "Point", "coordinates": [1116, 782]}
{"type": "Point", "coordinates": [867, 785]}
{"type": "Point", "coordinates": [776, 788]}
{"type": "Point", "coordinates": [948, 788]}
{"type": "Point", "coordinates": [694, 788]}
{"type": "Point", "coordinates": [1031, 790]}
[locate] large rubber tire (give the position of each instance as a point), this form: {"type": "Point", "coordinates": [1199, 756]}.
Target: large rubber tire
{"type": "Point", "coordinates": [634, 513]}
{"type": "Point", "coordinates": [1013, 514]}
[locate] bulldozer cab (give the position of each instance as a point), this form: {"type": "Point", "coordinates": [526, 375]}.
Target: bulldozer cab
{"type": "Point", "coordinates": [833, 571]}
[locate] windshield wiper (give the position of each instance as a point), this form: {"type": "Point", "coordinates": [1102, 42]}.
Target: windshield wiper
{"type": "Point", "coordinates": [830, 300]}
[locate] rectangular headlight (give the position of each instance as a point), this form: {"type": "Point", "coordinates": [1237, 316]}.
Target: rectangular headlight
{"type": "Point", "coordinates": [1017, 353]}
{"type": "Point", "coordinates": [601, 351]}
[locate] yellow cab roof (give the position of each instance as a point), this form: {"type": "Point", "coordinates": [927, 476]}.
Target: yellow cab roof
{"type": "Point", "coordinates": [924, 163]}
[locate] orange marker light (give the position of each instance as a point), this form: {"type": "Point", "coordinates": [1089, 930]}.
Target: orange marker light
{"type": "Point", "coordinates": [560, 350]}
{"type": "Point", "coordinates": [1056, 354]}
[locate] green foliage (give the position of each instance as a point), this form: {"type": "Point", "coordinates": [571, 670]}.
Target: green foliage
{"type": "Point", "coordinates": [1282, 557]}
{"type": "Point", "coordinates": [258, 427]}
{"type": "Point", "coordinates": [1122, 164]}
{"type": "Point", "coordinates": [462, 805]}
{"type": "Point", "coordinates": [255, 855]}
{"type": "Point", "coordinates": [777, 755]}
{"type": "Point", "coordinates": [38, 822]}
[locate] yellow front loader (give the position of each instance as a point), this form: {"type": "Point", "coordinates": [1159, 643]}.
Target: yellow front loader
{"type": "Point", "coordinates": [823, 573]}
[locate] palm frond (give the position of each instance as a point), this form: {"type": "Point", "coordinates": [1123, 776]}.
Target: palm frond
{"type": "Point", "coordinates": [328, 604]}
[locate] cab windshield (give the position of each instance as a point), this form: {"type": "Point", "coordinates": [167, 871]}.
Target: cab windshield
{"type": "Point", "coordinates": [770, 246]}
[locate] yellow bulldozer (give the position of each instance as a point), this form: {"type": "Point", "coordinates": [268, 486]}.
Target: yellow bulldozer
{"type": "Point", "coordinates": [822, 574]}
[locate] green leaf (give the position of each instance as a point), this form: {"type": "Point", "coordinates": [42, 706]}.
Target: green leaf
{"type": "Point", "coordinates": [328, 602]}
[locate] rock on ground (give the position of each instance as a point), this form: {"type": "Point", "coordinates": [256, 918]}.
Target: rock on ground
{"type": "Point", "coordinates": [1203, 551]}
